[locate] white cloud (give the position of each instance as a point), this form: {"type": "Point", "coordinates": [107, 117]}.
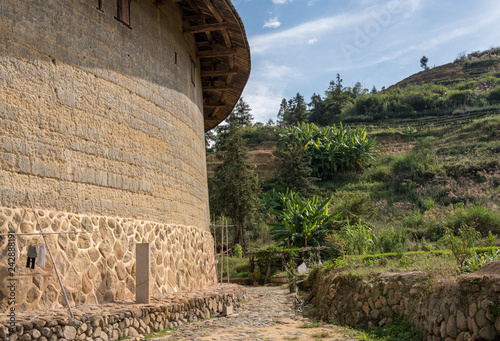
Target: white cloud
{"type": "Point", "coordinates": [263, 43]}
{"type": "Point", "coordinates": [406, 46]}
{"type": "Point", "coordinates": [328, 26]}
{"type": "Point", "coordinates": [272, 23]}
{"type": "Point", "coordinates": [267, 87]}
{"type": "Point", "coordinates": [265, 102]}
{"type": "Point", "coordinates": [389, 37]}
{"type": "Point", "coordinates": [271, 71]}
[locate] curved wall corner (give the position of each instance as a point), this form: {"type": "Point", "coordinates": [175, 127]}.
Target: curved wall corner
{"type": "Point", "coordinates": [102, 124]}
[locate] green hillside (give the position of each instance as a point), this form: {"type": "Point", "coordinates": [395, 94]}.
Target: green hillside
{"type": "Point", "coordinates": [398, 169]}
{"type": "Point", "coordinates": [467, 67]}
{"type": "Point", "coordinates": [466, 88]}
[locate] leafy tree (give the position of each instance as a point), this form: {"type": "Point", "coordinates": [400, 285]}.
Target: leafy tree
{"type": "Point", "coordinates": [355, 91]}
{"type": "Point", "coordinates": [299, 108]}
{"type": "Point", "coordinates": [283, 111]}
{"type": "Point", "coordinates": [294, 111]}
{"type": "Point", "coordinates": [241, 115]}
{"type": "Point", "coordinates": [423, 62]}
{"type": "Point", "coordinates": [234, 189]}
{"type": "Point", "coordinates": [317, 111]}
{"type": "Point", "coordinates": [210, 138]}
{"type": "Point", "coordinates": [461, 245]}
{"type": "Point", "coordinates": [294, 170]}
{"type": "Point", "coordinates": [334, 101]}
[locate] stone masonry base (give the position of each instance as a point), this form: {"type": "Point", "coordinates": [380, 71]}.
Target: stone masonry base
{"type": "Point", "coordinates": [99, 266]}
{"type": "Point", "coordinates": [113, 321]}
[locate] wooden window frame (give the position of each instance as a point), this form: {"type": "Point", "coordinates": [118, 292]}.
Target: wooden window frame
{"type": "Point", "coordinates": [123, 12]}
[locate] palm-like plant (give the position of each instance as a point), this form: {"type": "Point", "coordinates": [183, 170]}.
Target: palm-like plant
{"type": "Point", "coordinates": [300, 222]}
{"type": "Point", "coordinates": [332, 149]}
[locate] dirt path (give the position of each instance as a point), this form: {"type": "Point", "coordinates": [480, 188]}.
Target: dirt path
{"type": "Point", "coordinates": [266, 315]}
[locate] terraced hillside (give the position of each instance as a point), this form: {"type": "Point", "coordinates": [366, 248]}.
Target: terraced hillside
{"type": "Point", "coordinates": [455, 72]}
{"type": "Point", "coordinates": [263, 156]}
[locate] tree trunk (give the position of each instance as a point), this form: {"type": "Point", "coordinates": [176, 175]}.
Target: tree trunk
{"type": "Point", "coordinates": [239, 235]}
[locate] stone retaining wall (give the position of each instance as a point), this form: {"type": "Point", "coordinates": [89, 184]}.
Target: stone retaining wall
{"type": "Point", "coordinates": [119, 320]}
{"type": "Point", "coordinates": [461, 309]}
{"type": "Point", "coordinates": [363, 302]}
{"type": "Point", "coordinates": [99, 266]}
{"type": "Point", "coordinates": [466, 309]}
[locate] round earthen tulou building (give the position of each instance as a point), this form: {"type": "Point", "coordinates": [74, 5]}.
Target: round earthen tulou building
{"type": "Point", "coordinates": [103, 109]}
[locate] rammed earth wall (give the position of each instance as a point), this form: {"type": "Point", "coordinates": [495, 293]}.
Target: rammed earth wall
{"type": "Point", "coordinates": [102, 124]}
{"type": "Point", "coordinates": [460, 309]}
{"type": "Point", "coordinates": [97, 118]}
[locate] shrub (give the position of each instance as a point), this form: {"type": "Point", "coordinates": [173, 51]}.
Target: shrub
{"type": "Point", "coordinates": [407, 170]}
{"type": "Point", "coordinates": [238, 251]}
{"type": "Point", "coordinates": [255, 276]}
{"type": "Point", "coordinates": [494, 96]}
{"type": "Point", "coordinates": [414, 168]}
{"type": "Point", "coordinates": [416, 100]}
{"type": "Point", "coordinates": [461, 244]}
{"type": "Point", "coordinates": [491, 239]}
{"type": "Point", "coordinates": [479, 216]}
{"type": "Point", "coordinates": [391, 240]}
{"type": "Point", "coordinates": [354, 205]}
{"type": "Point", "coordinates": [433, 232]}
{"type": "Point", "coordinates": [359, 238]}
{"type": "Point", "coordinates": [260, 133]}
{"type": "Point", "coordinates": [476, 260]}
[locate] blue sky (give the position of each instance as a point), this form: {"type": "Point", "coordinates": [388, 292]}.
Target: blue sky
{"type": "Point", "coordinates": [300, 45]}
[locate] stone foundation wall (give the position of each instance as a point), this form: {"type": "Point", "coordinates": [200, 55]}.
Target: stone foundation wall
{"type": "Point", "coordinates": [115, 321]}
{"type": "Point", "coordinates": [461, 309]}
{"type": "Point", "coordinates": [99, 266]}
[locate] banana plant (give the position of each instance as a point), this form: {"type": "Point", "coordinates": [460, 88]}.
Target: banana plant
{"type": "Point", "coordinates": [332, 149]}
{"type": "Point", "coordinates": [301, 222]}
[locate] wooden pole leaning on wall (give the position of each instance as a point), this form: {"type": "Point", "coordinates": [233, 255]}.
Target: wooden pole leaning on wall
{"type": "Point", "coordinates": [51, 257]}
{"type": "Point", "coordinates": [227, 256]}
{"type": "Point", "coordinates": [222, 253]}
{"type": "Point", "coordinates": [215, 250]}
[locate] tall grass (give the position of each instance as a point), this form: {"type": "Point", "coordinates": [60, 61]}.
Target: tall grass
{"type": "Point", "coordinates": [480, 217]}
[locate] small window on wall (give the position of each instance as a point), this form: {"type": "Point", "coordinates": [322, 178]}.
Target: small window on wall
{"type": "Point", "coordinates": [193, 72]}
{"type": "Point", "coordinates": [99, 5]}
{"type": "Point", "coordinates": [124, 11]}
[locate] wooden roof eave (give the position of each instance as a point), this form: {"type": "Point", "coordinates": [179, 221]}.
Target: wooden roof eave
{"type": "Point", "coordinates": [224, 53]}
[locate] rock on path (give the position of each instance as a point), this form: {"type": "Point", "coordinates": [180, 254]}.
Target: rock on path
{"type": "Point", "coordinates": [266, 315]}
